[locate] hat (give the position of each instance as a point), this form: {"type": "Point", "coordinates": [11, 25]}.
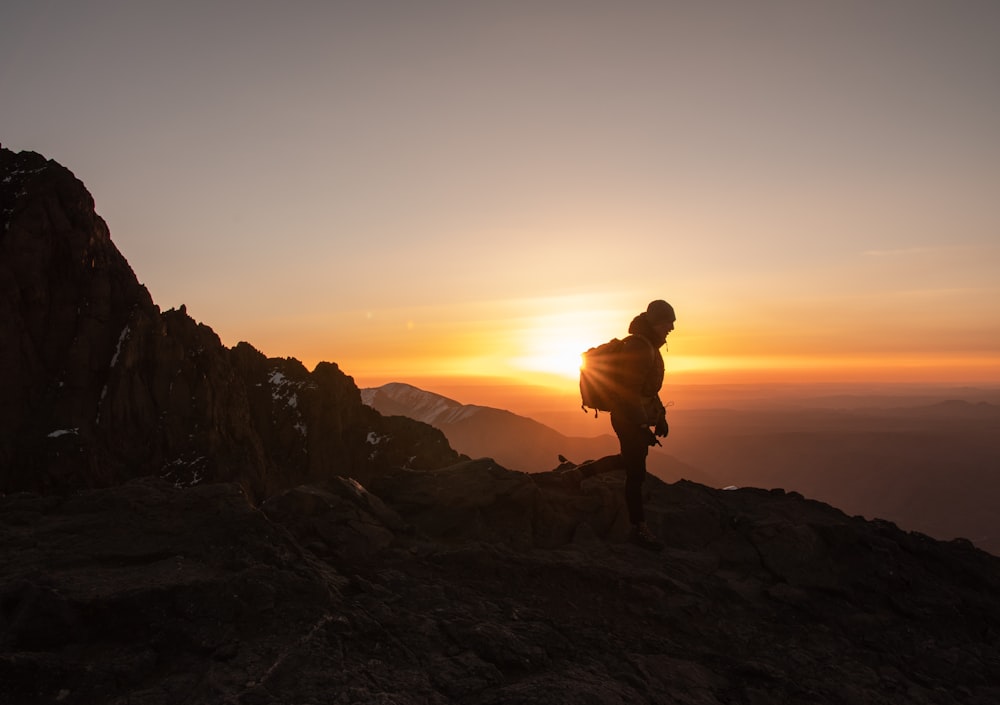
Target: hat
{"type": "Point", "coordinates": [660, 311]}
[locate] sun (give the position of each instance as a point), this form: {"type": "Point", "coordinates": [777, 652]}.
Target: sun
{"type": "Point", "coordinates": [556, 357]}
{"type": "Point", "coordinates": [556, 349]}
{"type": "Point", "coordinates": [548, 342]}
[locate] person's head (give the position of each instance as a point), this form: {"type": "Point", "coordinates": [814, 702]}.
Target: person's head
{"type": "Point", "coordinates": [661, 316]}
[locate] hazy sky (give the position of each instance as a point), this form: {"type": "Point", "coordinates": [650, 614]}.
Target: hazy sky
{"type": "Point", "coordinates": [411, 188]}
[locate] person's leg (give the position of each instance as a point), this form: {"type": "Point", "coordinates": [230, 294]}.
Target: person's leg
{"type": "Point", "coordinates": [634, 448]}
{"type": "Point", "coordinates": [600, 466]}
{"type": "Point", "coordinates": [635, 473]}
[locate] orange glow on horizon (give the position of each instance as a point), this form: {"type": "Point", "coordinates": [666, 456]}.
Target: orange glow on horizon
{"type": "Point", "coordinates": [799, 370]}
{"type": "Point", "coordinates": [538, 342]}
{"type": "Point", "coordinates": [553, 363]}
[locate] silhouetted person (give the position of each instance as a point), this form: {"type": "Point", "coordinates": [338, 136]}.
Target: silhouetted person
{"type": "Point", "coordinates": [638, 416]}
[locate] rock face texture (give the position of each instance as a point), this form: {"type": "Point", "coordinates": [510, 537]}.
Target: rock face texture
{"type": "Point", "coordinates": [474, 584]}
{"type": "Point", "coordinates": [100, 386]}
{"type": "Point", "coordinates": [183, 522]}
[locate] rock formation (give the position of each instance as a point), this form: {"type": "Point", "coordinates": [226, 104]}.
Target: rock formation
{"type": "Point", "coordinates": [99, 386]}
{"type": "Point", "coordinates": [183, 522]}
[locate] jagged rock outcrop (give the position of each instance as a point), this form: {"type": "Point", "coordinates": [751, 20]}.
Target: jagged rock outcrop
{"type": "Point", "coordinates": [100, 386]}
{"type": "Point", "coordinates": [66, 293]}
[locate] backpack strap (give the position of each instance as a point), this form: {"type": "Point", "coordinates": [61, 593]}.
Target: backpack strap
{"type": "Point", "coordinates": [647, 341]}
{"type": "Point", "coordinates": [653, 354]}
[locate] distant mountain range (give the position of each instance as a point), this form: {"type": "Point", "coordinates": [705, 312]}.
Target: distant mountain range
{"type": "Point", "coordinates": [930, 467]}
{"type": "Point", "coordinates": [516, 442]}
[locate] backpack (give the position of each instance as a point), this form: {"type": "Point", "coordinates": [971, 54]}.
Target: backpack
{"type": "Point", "coordinates": [601, 376]}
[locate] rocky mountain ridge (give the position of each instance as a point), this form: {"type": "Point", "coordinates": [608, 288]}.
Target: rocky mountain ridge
{"type": "Point", "coordinates": [187, 522]}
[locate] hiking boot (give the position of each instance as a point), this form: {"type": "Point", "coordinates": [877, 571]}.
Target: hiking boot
{"type": "Point", "coordinates": [643, 537]}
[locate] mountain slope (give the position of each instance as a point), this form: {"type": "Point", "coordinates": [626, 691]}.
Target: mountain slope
{"type": "Point", "coordinates": [513, 441]}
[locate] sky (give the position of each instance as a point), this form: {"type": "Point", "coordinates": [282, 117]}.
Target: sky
{"type": "Point", "coordinates": [464, 190]}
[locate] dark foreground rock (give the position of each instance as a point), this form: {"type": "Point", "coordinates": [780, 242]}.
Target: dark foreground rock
{"type": "Point", "coordinates": [478, 585]}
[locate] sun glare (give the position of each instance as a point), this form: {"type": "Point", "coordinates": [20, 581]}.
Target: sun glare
{"type": "Point", "coordinates": [561, 359]}
{"type": "Point", "coordinates": [553, 344]}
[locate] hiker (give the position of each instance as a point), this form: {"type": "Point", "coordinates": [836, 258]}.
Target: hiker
{"type": "Point", "coordinates": [637, 414]}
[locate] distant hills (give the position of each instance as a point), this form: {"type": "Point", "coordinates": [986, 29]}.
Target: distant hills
{"type": "Point", "coordinates": [931, 467]}
{"type": "Point", "coordinates": [514, 441]}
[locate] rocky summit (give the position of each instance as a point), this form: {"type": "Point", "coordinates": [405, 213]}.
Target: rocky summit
{"type": "Point", "coordinates": [186, 522]}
